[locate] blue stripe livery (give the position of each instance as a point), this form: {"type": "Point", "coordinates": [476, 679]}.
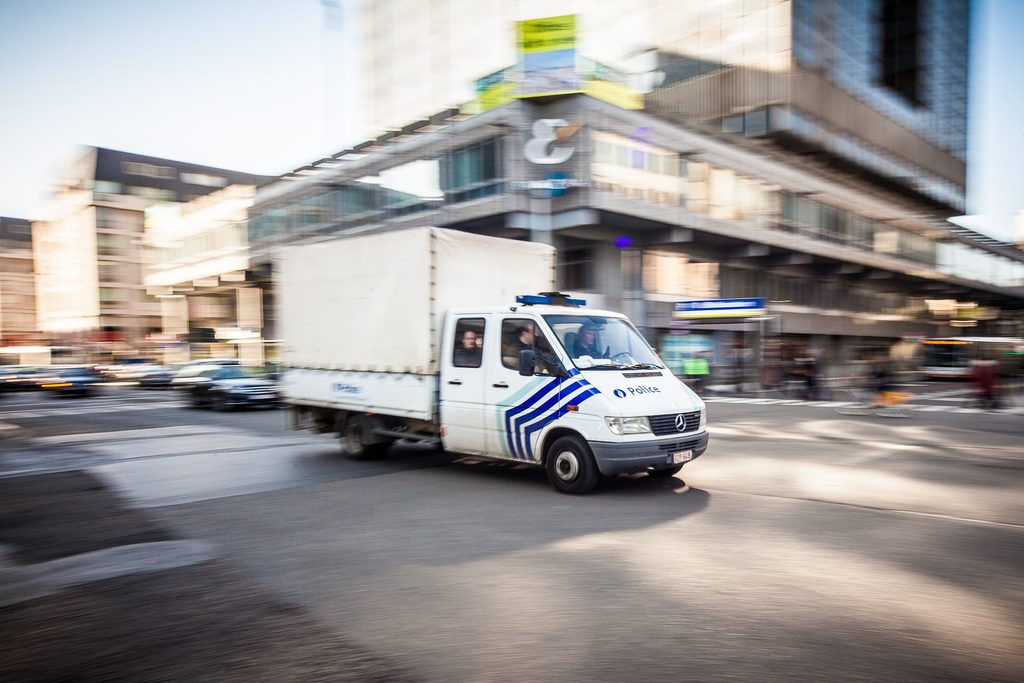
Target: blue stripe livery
{"type": "Point", "coordinates": [541, 408]}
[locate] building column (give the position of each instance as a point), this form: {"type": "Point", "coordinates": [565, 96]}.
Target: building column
{"type": "Point", "coordinates": [174, 323]}
{"type": "Point", "coordinates": [249, 316]}
{"type": "Point", "coordinates": [540, 221]}
{"type": "Point", "coordinates": [633, 302]}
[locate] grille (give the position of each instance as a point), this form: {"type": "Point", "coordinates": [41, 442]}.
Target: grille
{"type": "Point", "coordinates": [663, 425]}
{"type": "Point", "coordinates": [688, 445]}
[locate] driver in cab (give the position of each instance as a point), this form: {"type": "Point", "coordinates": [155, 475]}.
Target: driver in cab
{"type": "Point", "coordinates": [585, 343]}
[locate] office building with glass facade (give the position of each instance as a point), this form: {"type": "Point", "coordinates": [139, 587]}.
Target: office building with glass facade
{"type": "Point", "coordinates": [646, 212]}
{"type": "Point", "coordinates": [878, 84]}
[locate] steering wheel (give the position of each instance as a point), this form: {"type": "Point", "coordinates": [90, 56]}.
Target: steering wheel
{"type": "Point", "coordinates": [627, 356]}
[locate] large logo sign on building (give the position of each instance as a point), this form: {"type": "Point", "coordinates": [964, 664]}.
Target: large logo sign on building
{"type": "Point", "coordinates": [542, 148]}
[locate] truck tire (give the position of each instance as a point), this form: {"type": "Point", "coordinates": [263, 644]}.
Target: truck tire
{"type": "Point", "coordinates": [570, 466]}
{"type": "Point", "coordinates": [665, 473]}
{"type": "Point", "coordinates": [353, 438]}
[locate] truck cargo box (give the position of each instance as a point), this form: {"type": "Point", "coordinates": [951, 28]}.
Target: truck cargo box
{"type": "Point", "coordinates": [375, 303]}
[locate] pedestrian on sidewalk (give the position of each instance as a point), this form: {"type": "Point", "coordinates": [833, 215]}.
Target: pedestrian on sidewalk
{"type": "Point", "coordinates": [807, 370]}
{"type": "Point", "coordinates": [696, 369]}
{"type": "Point", "coordinates": [986, 385]}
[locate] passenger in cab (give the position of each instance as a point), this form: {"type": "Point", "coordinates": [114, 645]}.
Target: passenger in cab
{"type": "Point", "coordinates": [468, 353]}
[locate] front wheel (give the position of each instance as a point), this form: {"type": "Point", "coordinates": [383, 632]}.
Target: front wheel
{"type": "Point", "coordinates": [571, 467]}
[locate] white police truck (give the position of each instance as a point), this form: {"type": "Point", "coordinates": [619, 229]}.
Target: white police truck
{"type": "Point", "coordinates": [423, 334]}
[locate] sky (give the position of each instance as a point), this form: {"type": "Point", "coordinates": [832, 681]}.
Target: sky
{"type": "Point", "coordinates": [265, 86]}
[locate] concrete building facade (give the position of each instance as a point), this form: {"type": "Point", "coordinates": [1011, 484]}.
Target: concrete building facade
{"type": "Point", "coordinates": [197, 266]}
{"type": "Point", "coordinates": [646, 212]}
{"type": "Point", "coordinates": [17, 282]}
{"type": "Point", "coordinates": [88, 250]}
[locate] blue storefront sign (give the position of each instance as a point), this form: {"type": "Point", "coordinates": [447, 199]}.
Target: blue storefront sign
{"type": "Point", "coordinates": [719, 308]}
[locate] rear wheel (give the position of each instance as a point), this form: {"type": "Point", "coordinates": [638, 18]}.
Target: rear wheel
{"type": "Point", "coordinates": [219, 402]}
{"type": "Point", "coordinates": [353, 438]}
{"type": "Point", "coordinates": [571, 467]}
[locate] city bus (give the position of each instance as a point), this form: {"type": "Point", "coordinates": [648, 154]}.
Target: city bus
{"type": "Point", "coordinates": [950, 357]}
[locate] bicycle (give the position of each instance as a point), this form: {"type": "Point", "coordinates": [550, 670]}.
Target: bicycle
{"type": "Point", "coordinates": [884, 403]}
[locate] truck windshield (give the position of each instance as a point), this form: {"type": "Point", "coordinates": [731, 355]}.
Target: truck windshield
{"type": "Point", "coordinates": [602, 343]}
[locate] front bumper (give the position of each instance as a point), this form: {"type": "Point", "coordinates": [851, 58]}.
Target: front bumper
{"type": "Point", "coordinates": [640, 456]}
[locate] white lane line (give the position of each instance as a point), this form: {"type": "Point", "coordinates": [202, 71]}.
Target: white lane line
{"type": "Point", "coordinates": [28, 582]}
{"type": "Point", "coordinates": [941, 394]}
{"type": "Point", "coordinates": [143, 433]}
{"type": "Point", "coordinates": [58, 412]}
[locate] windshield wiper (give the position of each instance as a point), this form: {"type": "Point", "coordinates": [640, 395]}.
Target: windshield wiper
{"type": "Point", "coordinates": [642, 366]}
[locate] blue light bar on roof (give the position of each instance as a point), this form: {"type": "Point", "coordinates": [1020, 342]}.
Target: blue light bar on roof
{"type": "Point", "coordinates": [549, 299]}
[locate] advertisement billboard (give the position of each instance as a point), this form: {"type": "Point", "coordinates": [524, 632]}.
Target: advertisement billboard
{"type": "Point", "coordinates": [547, 56]}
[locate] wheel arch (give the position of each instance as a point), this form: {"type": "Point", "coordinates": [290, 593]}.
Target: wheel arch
{"type": "Point", "coordinates": [555, 434]}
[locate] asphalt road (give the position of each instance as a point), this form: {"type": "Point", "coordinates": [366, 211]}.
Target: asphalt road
{"type": "Point", "coordinates": [805, 545]}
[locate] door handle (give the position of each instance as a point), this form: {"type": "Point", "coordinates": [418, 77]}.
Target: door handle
{"type": "Point", "coordinates": [500, 385]}
{"type": "Point", "coordinates": [454, 381]}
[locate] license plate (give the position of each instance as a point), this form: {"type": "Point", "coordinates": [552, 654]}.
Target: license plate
{"type": "Point", "coordinates": [680, 456]}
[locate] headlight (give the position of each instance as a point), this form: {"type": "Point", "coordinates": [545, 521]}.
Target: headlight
{"type": "Point", "coordinates": [628, 425]}
{"type": "Point", "coordinates": [703, 419]}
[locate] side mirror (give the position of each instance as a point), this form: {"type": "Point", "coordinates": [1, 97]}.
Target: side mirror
{"type": "Point", "coordinates": [526, 362]}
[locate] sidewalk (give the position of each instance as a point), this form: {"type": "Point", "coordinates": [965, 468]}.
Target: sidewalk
{"type": "Point", "coordinates": [93, 590]}
{"type": "Point", "coordinates": [1012, 395]}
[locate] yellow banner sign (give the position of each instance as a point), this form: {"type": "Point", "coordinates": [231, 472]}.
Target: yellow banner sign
{"type": "Point", "coordinates": [545, 35]}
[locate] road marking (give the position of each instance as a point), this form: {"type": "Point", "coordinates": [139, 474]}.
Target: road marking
{"type": "Point", "coordinates": [878, 508]}
{"type": "Point", "coordinates": [142, 433]}
{"type": "Point", "coordinates": [57, 412]}
{"type": "Point", "coordinates": [922, 408]}
{"type": "Point", "coordinates": [940, 394]}
{"type": "Point", "coordinates": [29, 582]}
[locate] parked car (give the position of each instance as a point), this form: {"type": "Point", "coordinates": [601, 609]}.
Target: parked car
{"type": "Point", "coordinates": [77, 380]}
{"type": "Point", "coordinates": [231, 386]}
{"type": "Point", "coordinates": [158, 375]}
{"type": "Point", "coordinates": [126, 369]}
{"type": "Point", "coordinates": [21, 377]}
{"type": "Point", "coordinates": [189, 373]}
